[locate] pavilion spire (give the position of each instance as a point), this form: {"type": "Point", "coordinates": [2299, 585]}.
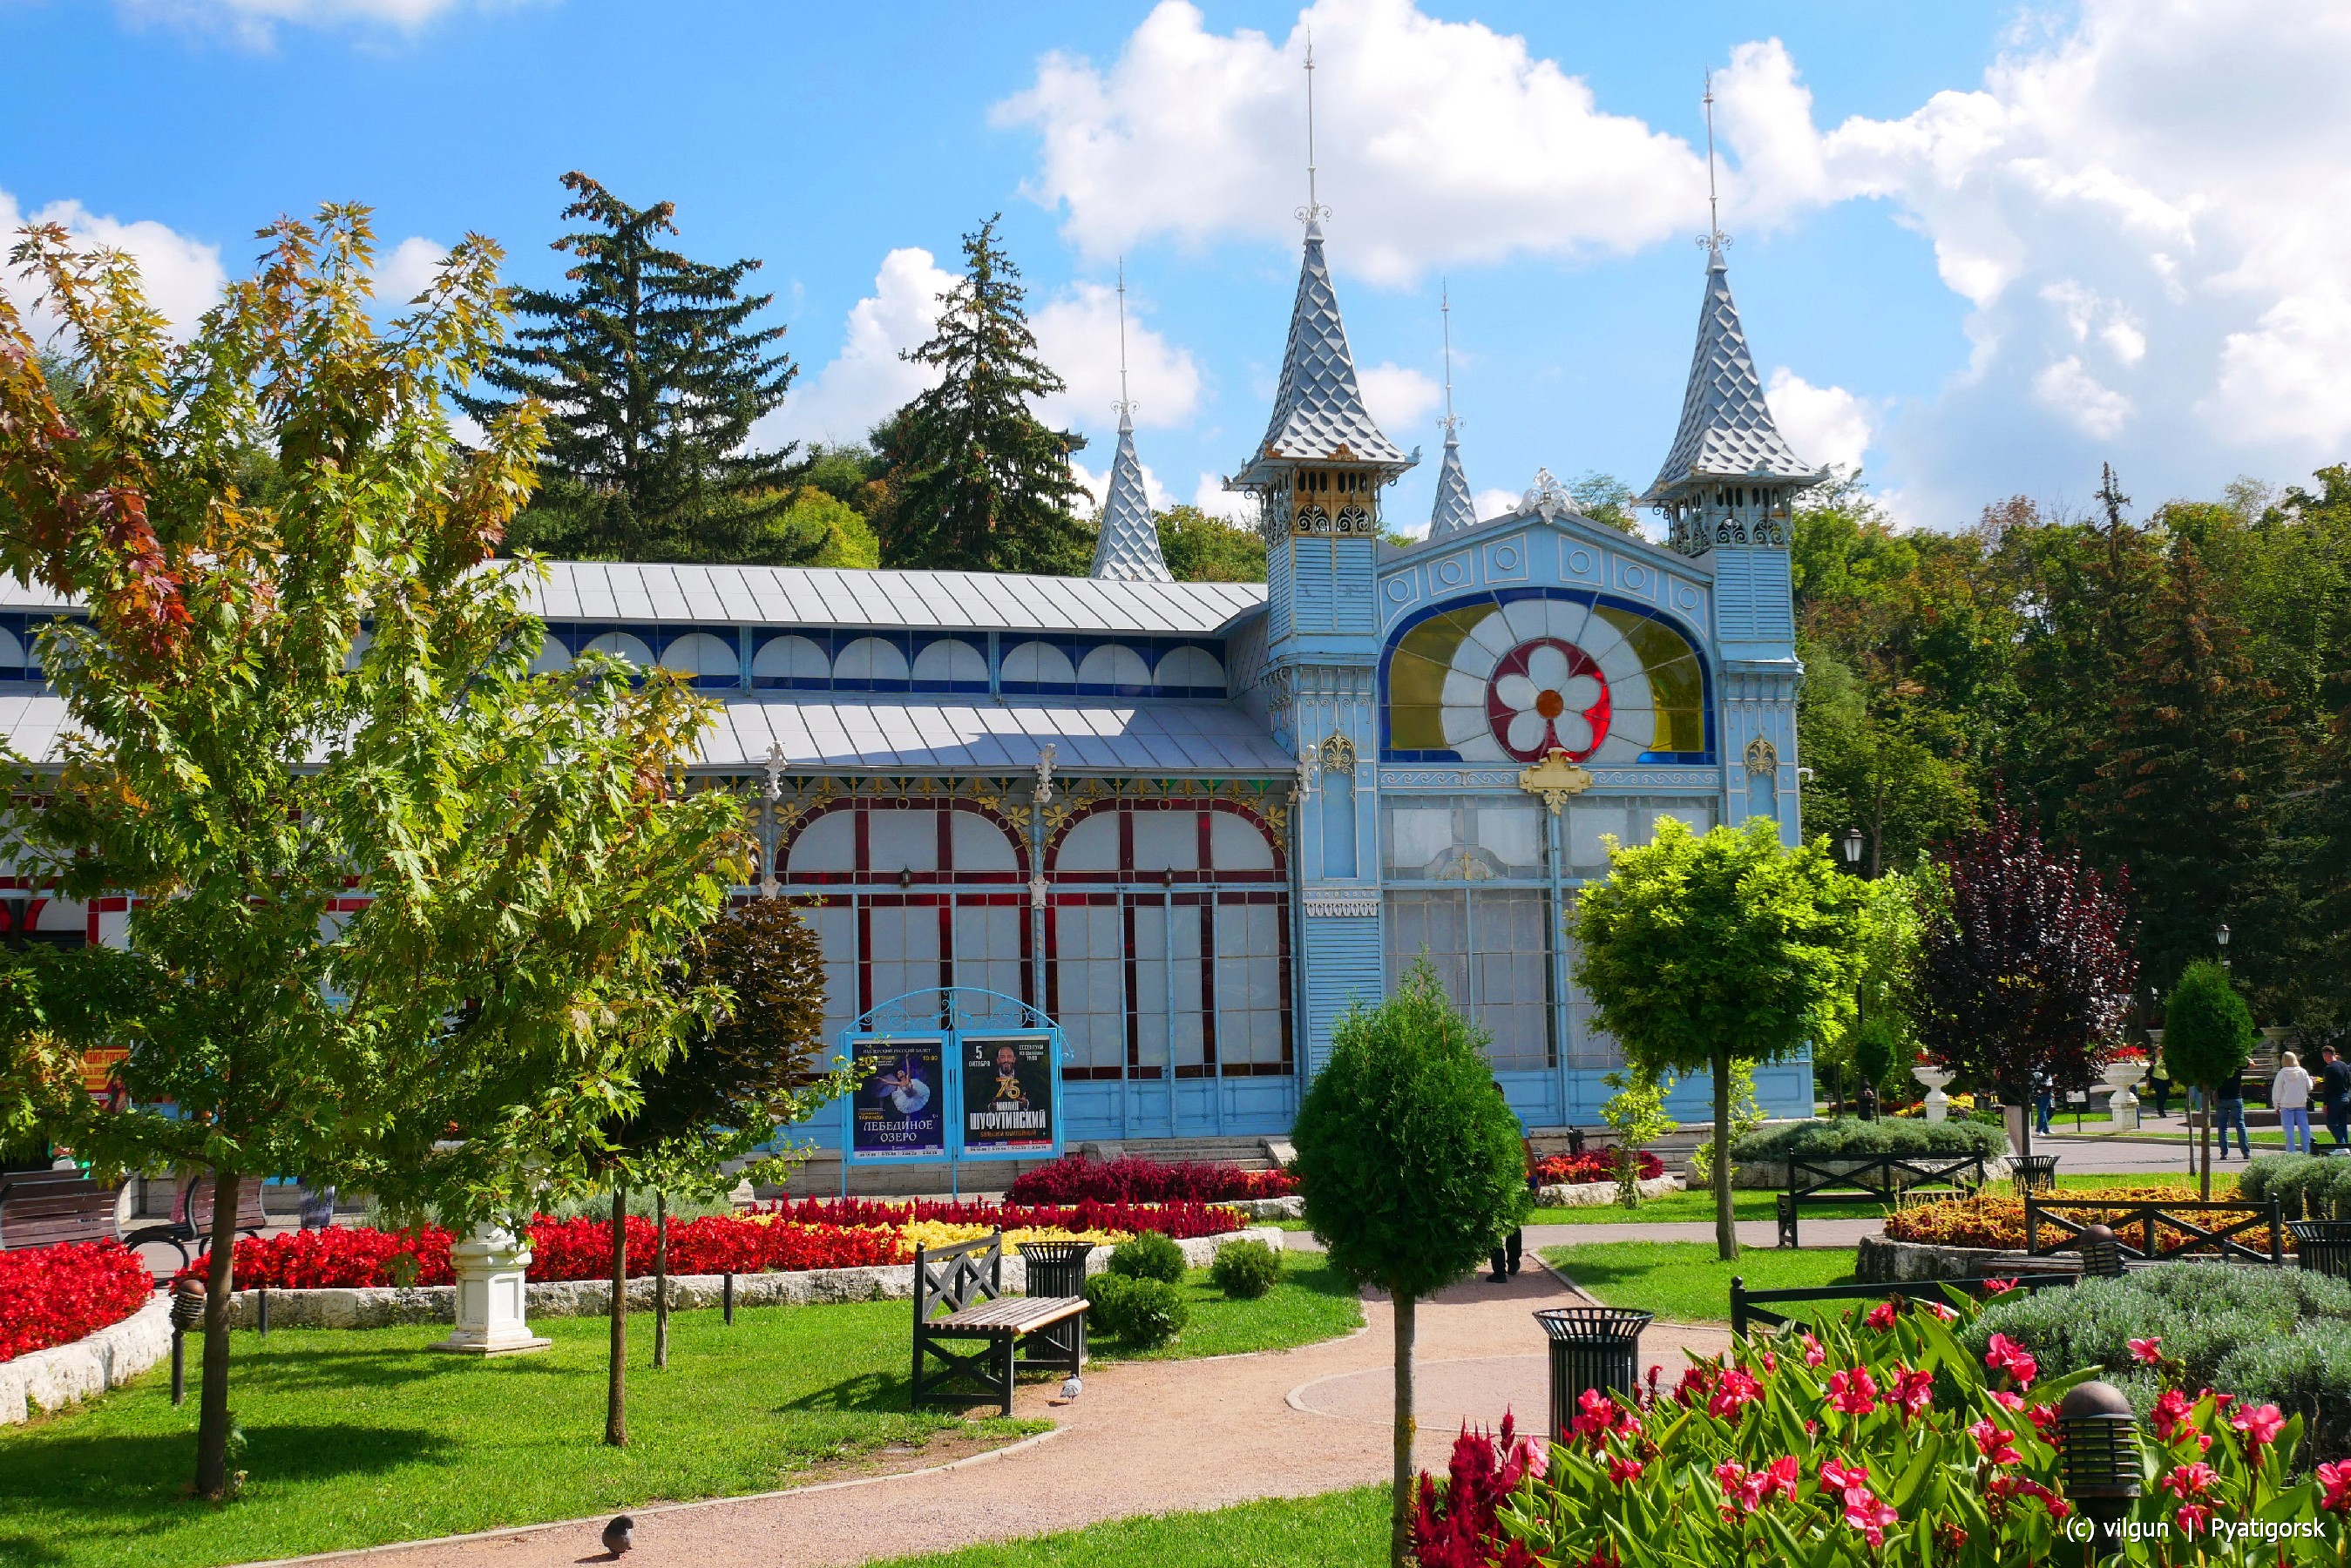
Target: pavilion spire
{"type": "Point", "coordinates": [1127, 548]}
{"type": "Point", "coordinates": [1455, 510]}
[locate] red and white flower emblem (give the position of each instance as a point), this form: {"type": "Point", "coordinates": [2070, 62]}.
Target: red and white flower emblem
{"type": "Point", "coordinates": [1547, 695]}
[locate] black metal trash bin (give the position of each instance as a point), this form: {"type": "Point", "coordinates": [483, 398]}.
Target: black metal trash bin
{"type": "Point", "coordinates": [2033, 1172]}
{"type": "Point", "coordinates": [2323, 1246]}
{"type": "Point", "coordinates": [1057, 1269]}
{"type": "Point", "coordinates": [1591, 1347]}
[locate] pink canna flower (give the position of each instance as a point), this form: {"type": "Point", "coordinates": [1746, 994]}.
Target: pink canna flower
{"type": "Point", "coordinates": [2171, 1414]}
{"type": "Point", "coordinates": [2005, 1354]}
{"type": "Point", "coordinates": [1836, 1476]}
{"type": "Point", "coordinates": [2192, 1518]}
{"type": "Point", "coordinates": [2006, 1400]}
{"type": "Point", "coordinates": [2259, 1427]}
{"type": "Point", "coordinates": [1997, 1287]}
{"type": "Point", "coordinates": [1732, 1393]}
{"type": "Point", "coordinates": [2334, 1487]}
{"type": "Point", "coordinates": [1912, 1389]}
{"type": "Point", "coordinates": [1621, 1470]}
{"type": "Point", "coordinates": [1881, 1315]}
{"type": "Point", "coordinates": [2146, 1352]}
{"type": "Point", "coordinates": [1995, 1442]}
{"type": "Point", "coordinates": [2189, 1481]}
{"type": "Point", "coordinates": [1854, 1392]}
{"type": "Point", "coordinates": [1814, 1353]}
{"type": "Point", "coordinates": [1867, 1515]}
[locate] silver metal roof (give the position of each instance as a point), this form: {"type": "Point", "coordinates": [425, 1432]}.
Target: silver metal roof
{"type": "Point", "coordinates": [893, 735]}
{"type": "Point", "coordinates": [822, 732]}
{"type": "Point", "coordinates": [1727, 431]}
{"type": "Point", "coordinates": [816, 596]}
{"type": "Point", "coordinates": [1127, 550]}
{"type": "Point", "coordinates": [1318, 410]}
{"type": "Point", "coordinates": [1455, 510]}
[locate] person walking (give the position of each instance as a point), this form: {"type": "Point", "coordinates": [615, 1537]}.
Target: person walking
{"type": "Point", "coordinates": [2044, 1100]}
{"type": "Point", "coordinates": [2290, 1092]}
{"type": "Point", "coordinates": [1509, 1252]}
{"type": "Point", "coordinates": [2159, 1078]}
{"type": "Point", "coordinates": [2232, 1103]}
{"type": "Point", "coordinates": [2334, 1083]}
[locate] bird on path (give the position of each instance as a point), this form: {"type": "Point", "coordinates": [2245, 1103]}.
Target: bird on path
{"type": "Point", "coordinates": [619, 1535]}
{"type": "Point", "coordinates": [1072, 1387]}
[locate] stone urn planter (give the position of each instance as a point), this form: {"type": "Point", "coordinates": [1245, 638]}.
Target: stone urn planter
{"type": "Point", "coordinates": [1935, 1080]}
{"type": "Point", "coordinates": [2122, 1106]}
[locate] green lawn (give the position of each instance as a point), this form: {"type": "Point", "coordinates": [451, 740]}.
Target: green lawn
{"type": "Point", "coordinates": [359, 1437]}
{"type": "Point", "coordinates": [1336, 1529]}
{"type": "Point", "coordinates": [1311, 1302]}
{"type": "Point", "coordinates": [1684, 1281]}
{"type": "Point", "coordinates": [1675, 1208]}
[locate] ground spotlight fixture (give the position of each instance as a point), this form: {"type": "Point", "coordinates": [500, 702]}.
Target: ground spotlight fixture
{"type": "Point", "coordinates": [2097, 1439]}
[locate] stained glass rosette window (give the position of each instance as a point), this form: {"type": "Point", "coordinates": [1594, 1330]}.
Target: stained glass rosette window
{"type": "Point", "coordinates": [1509, 678]}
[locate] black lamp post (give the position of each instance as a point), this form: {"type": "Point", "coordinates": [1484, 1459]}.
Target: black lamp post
{"type": "Point", "coordinates": [1852, 842]}
{"type": "Point", "coordinates": [2220, 941]}
{"type": "Point", "coordinates": [2097, 1439]}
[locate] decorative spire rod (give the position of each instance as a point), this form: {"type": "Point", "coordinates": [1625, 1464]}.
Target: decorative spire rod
{"type": "Point", "coordinates": [1445, 307]}
{"type": "Point", "coordinates": [1125, 404]}
{"type": "Point", "coordinates": [1314, 211]}
{"type": "Point", "coordinates": [1714, 239]}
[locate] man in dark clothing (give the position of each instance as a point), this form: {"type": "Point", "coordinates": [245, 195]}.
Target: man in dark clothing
{"type": "Point", "coordinates": [2335, 1088]}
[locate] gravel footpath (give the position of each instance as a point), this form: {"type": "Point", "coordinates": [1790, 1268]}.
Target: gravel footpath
{"type": "Point", "coordinates": [1145, 1438]}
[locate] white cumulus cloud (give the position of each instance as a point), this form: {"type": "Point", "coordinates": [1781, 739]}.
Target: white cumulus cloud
{"type": "Point", "coordinates": [1234, 506]}
{"type": "Point", "coordinates": [1824, 425]}
{"type": "Point", "coordinates": [867, 381]}
{"type": "Point", "coordinates": [182, 277]}
{"type": "Point", "coordinates": [2068, 390]}
{"type": "Point", "coordinates": [1077, 337]}
{"type": "Point", "coordinates": [1437, 141]}
{"type": "Point", "coordinates": [1399, 399]}
{"type": "Point", "coordinates": [408, 269]}
{"type": "Point", "coordinates": [256, 22]}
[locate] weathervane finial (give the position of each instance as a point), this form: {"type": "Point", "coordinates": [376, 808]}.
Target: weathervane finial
{"type": "Point", "coordinates": [1714, 239]}
{"type": "Point", "coordinates": [1314, 211]}
{"type": "Point", "coordinates": [1126, 405]}
{"type": "Point", "coordinates": [1445, 309]}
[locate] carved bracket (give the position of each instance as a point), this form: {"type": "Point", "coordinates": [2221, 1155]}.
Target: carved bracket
{"type": "Point", "coordinates": [1555, 779]}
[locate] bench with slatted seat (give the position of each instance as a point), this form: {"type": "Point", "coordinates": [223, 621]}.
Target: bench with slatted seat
{"type": "Point", "coordinates": [191, 1224]}
{"type": "Point", "coordinates": [51, 1207]}
{"type": "Point", "coordinates": [960, 1298]}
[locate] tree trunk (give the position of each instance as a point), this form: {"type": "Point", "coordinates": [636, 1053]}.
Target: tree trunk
{"type": "Point", "coordinates": [661, 1278]}
{"type": "Point", "coordinates": [1725, 1233]}
{"type": "Point", "coordinates": [1400, 1502]}
{"type": "Point", "coordinates": [213, 1421]}
{"type": "Point", "coordinates": [2204, 1116]}
{"type": "Point", "coordinates": [616, 1413]}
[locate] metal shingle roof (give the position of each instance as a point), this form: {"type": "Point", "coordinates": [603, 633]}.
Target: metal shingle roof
{"type": "Point", "coordinates": [1727, 431]}
{"type": "Point", "coordinates": [1128, 547]}
{"type": "Point", "coordinates": [1318, 408]}
{"type": "Point", "coordinates": [898, 735]}
{"type": "Point", "coordinates": [1455, 510]}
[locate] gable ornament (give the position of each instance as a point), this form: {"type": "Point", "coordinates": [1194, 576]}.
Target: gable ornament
{"type": "Point", "coordinates": [1763, 756]}
{"type": "Point", "coordinates": [1338, 755]}
{"type": "Point", "coordinates": [1555, 778]}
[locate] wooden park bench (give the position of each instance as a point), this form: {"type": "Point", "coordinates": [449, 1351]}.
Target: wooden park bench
{"type": "Point", "coordinates": [959, 1297]}
{"type": "Point", "coordinates": [2054, 1225]}
{"type": "Point", "coordinates": [47, 1208]}
{"type": "Point", "coordinates": [1884, 1180]}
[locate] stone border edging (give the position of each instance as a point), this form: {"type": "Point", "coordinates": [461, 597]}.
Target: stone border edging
{"type": "Point", "coordinates": [1883, 1260]}
{"type": "Point", "coordinates": [106, 1358]}
{"type": "Point", "coordinates": [510, 1530]}
{"type": "Point", "coordinates": [1599, 1194]}
{"type": "Point", "coordinates": [376, 1307]}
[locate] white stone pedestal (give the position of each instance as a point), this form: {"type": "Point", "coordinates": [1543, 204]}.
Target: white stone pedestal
{"type": "Point", "coordinates": [1936, 1080]}
{"type": "Point", "coordinates": [490, 1265]}
{"type": "Point", "coordinates": [2122, 1106]}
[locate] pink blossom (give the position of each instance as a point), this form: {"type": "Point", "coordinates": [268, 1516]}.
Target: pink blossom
{"type": "Point", "coordinates": [2189, 1481]}
{"type": "Point", "coordinates": [1940, 1311]}
{"type": "Point", "coordinates": [2334, 1480]}
{"type": "Point", "coordinates": [2006, 1400]}
{"type": "Point", "coordinates": [1867, 1515]}
{"type": "Point", "coordinates": [2192, 1517]}
{"type": "Point", "coordinates": [2171, 1413]}
{"type": "Point", "coordinates": [1538, 1452]}
{"type": "Point", "coordinates": [1734, 1392]}
{"type": "Point", "coordinates": [1599, 1414]}
{"type": "Point", "coordinates": [1814, 1353]}
{"type": "Point", "coordinates": [2043, 1418]}
{"type": "Point", "coordinates": [1621, 1470]}
{"type": "Point", "coordinates": [2146, 1352]}
{"type": "Point", "coordinates": [1855, 1392]}
{"type": "Point", "coordinates": [1836, 1476]}
{"type": "Point", "coordinates": [2260, 1426]}
{"type": "Point", "coordinates": [1995, 1442]}
{"type": "Point", "coordinates": [1913, 1389]}
{"type": "Point", "coordinates": [2006, 1355]}
{"type": "Point", "coordinates": [1997, 1287]}
{"type": "Point", "coordinates": [1881, 1315]}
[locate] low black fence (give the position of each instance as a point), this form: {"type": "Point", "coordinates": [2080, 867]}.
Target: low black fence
{"type": "Point", "coordinates": [1882, 1181]}
{"type": "Point", "coordinates": [2152, 1230]}
{"type": "Point", "coordinates": [1758, 1306]}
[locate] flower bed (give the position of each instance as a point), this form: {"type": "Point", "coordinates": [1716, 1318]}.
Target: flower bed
{"type": "Point", "coordinates": [1880, 1439]}
{"type": "Point", "coordinates": [1592, 1165]}
{"type": "Point", "coordinates": [1133, 1179]}
{"type": "Point", "coordinates": [1996, 1218]}
{"type": "Point", "coordinates": [812, 1233]}
{"type": "Point", "coordinates": [55, 1295]}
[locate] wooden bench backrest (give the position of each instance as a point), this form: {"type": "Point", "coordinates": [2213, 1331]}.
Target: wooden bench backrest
{"type": "Point", "coordinates": [194, 1206]}
{"type": "Point", "coordinates": [947, 1279]}
{"type": "Point", "coordinates": [47, 1207]}
{"type": "Point", "coordinates": [1922, 1169]}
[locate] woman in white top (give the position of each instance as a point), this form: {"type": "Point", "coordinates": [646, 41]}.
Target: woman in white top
{"type": "Point", "coordinates": [2290, 1092]}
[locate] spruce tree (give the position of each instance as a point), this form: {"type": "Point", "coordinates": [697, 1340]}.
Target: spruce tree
{"type": "Point", "coordinates": [2187, 772]}
{"type": "Point", "coordinates": [653, 374]}
{"type": "Point", "coordinates": [979, 483]}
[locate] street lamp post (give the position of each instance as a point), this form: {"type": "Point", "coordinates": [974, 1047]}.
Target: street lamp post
{"type": "Point", "coordinates": [1851, 845]}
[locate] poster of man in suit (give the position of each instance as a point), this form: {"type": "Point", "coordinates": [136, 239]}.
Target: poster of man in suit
{"type": "Point", "coordinates": [1008, 1093]}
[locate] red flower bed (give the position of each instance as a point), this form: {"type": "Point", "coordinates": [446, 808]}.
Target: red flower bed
{"type": "Point", "coordinates": [55, 1295]}
{"type": "Point", "coordinates": [1181, 1220]}
{"type": "Point", "coordinates": [1133, 1179]}
{"type": "Point", "coordinates": [1592, 1165]}
{"type": "Point", "coordinates": [812, 1233]}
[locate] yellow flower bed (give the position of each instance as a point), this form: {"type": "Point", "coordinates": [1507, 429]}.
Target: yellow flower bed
{"type": "Point", "coordinates": [940, 1233]}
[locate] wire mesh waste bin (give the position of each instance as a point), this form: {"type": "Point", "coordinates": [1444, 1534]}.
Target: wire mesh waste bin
{"type": "Point", "coordinates": [2323, 1245]}
{"type": "Point", "coordinates": [1591, 1347]}
{"type": "Point", "coordinates": [2033, 1172]}
{"type": "Point", "coordinates": [1057, 1269]}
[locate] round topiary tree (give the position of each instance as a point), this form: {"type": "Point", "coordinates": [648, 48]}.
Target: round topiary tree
{"type": "Point", "coordinates": [1412, 1167]}
{"type": "Point", "coordinates": [2208, 1038]}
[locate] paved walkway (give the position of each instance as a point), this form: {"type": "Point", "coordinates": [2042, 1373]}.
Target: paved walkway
{"type": "Point", "coordinates": [1145, 1438]}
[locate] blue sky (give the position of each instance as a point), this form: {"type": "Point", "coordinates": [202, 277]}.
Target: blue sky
{"type": "Point", "coordinates": [1979, 249]}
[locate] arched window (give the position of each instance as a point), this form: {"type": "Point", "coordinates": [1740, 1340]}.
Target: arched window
{"type": "Point", "coordinates": [1167, 943]}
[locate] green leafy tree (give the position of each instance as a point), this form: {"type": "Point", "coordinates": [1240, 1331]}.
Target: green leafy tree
{"type": "Point", "coordinates": [836, 532]}
{"type": "Point", "coordinates": [291, 704]}
{"type": "Point", "coordinates": [978, 482]}
{"type": "Point", "coordinates": [1703, 952]}
{"type": "Point", "coordinates": [705, 1116]}
{"type": "Point", "coordinates": [652, 374]}
{"type": "Point", "coordinates": [1200, 548]}
{"type": "Point", "coordinates": [1876, 765]}
{"type": "Point", "coordinates": [1412, 1167]}
{"type": "Point", "coordinates": [1882, 1040]}
{"type": "Point", "coordinates": [2208, 1038]}
{"type": "Point", "coordinates": [1606, 499]}
{"type": "Point", "coordinates": [1636, 1113]}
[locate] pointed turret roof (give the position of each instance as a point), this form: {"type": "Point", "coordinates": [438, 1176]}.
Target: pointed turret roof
{"type": "Point", "coordinates": [1318, 410]}
{"type": "Point", "coordinates": [1727, 431]}
{"type": "Point", "coordinates": [1128, 548]}
{"type": "Point", "coordinates": [1454, 511]}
